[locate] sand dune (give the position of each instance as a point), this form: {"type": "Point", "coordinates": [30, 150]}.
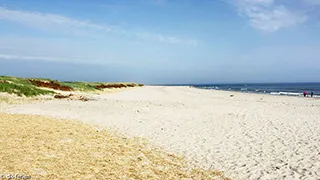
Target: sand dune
{"type": "Point", "coordinates": [248, 136]}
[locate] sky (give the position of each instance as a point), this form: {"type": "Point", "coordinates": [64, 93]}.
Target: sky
{"type": "Point", "coordinates": [162, 41]}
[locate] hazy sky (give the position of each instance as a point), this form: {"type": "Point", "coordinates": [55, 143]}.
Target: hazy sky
{"type": "Point", "coordinates": [162, 41]}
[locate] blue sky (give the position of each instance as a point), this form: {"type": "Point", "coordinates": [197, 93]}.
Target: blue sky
{"type": "Point", "coordinates": [162, 41]}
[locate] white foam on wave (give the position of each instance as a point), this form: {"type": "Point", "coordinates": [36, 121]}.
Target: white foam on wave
{"type": "Point", "coordinates": [286, 93]}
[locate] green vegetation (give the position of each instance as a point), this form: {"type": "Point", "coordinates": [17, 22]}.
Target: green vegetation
{"type": "Point", "coordinates": [21, 89]}
{"type": "Point", "coordinates": [81, 86]}
{"type": "Point", "coordinates": [30, 86]}
{"type": "Point", "coordinates": [20, 86]}
{"type": "Point", "coordinates": [14, 80]}
{"type": "Point", "coordinates": [93, 86]}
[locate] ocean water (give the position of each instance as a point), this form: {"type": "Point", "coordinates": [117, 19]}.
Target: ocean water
{"type": "Point", "coordinates": [289, 89]}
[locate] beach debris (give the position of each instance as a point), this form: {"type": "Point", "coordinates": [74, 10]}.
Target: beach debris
{"type": "Point", "coordinates": [60, 96]}
{"type": "Point", "coordinates": [231, 95]}
{"type": "Point", "coordinates": [83, 98]}
{"type": "Point", "coordinates": [72, 97]}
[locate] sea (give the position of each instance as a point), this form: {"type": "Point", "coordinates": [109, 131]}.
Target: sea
{"type": "Point", "coordinates": [287, 89]}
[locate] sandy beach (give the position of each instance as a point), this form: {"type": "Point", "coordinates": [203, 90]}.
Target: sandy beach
{"type": "Point", "coordinates": [247, 136]}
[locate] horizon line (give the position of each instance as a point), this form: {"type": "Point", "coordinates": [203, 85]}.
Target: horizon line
{"type": "Point", "coordinates": [197, 84]}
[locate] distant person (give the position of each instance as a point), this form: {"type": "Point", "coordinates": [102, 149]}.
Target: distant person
{"type": "Point", "coordinates": [305, 94]}
{"type": "Point", "coordinates": [311, 94]}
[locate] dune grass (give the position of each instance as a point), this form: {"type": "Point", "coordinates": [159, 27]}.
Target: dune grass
{"type": "Point", "coordinates": [92, 86]}
{"type": "Point", "coordinates": [23, 86]}
{"type": "Point", "coordinates": [80, 86]}
{"type": "Point", "coordinates": [21, 89]}
{"type": "Point", "coordinates": [46, 148]}
{"type": "Point", "coordinates": [14, 80]}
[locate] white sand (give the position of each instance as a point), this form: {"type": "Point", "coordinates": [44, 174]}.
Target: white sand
{"type": "Point", "coordinates": [248, 136]}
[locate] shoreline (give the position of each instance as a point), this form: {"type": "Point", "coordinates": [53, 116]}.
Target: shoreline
{"type": "Point", "coordinates": [281, 94]}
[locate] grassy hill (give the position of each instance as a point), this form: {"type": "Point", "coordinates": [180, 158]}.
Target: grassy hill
{"type": "Point", "coordinates": [32, 86]}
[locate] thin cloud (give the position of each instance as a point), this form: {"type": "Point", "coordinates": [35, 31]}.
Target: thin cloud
{"type": "Point", "coordinates": [59, 59]}
{"type": "Point", "coordinates": [268, 16]}
{"type": "Point", "coordinates": [47, 21]}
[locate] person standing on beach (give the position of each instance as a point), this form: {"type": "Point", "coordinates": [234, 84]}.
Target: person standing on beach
{"type": "Point", "coordinates": [304, 94]}
{"type": "Point", "coordinates": [311, 94]}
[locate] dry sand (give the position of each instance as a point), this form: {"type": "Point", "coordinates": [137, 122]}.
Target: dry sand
{"type": "Point", "coordinates": [44, 148]}
{"type": "Point", "coordinates": [248, 136]}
